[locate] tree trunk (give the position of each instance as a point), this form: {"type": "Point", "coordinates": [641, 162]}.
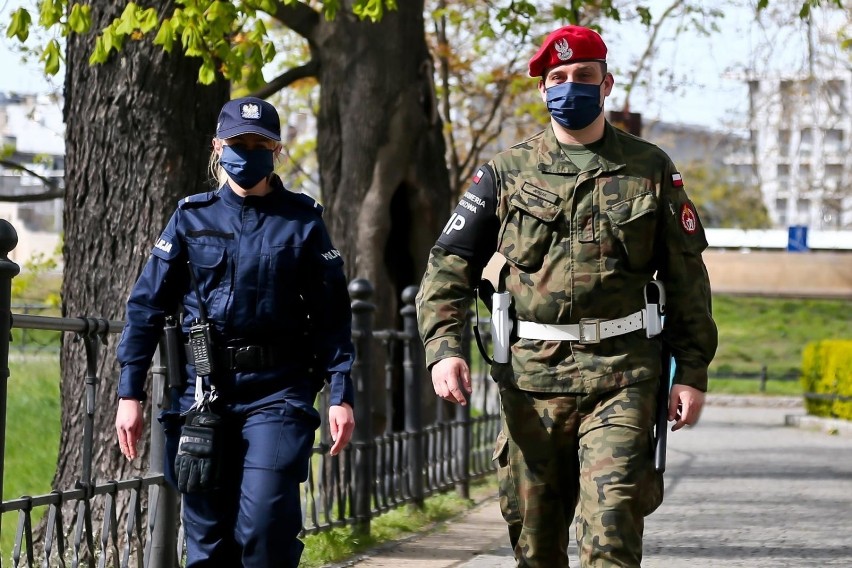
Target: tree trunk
{"type": "Point", "coordinates": [137, 139]}
{"type": "Point", "coordinates": [381, 156]}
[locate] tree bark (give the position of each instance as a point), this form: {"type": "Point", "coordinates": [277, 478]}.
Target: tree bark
{"type": "Point", "coordinates": [138, 131]}
{"type": "Point", "coordinates": [381, 156]}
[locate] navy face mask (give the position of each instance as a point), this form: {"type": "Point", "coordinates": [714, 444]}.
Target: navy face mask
{"type": "Point", "coordinates": [247, 167]}
{"type": "Point", "coordinates": [574, 105]}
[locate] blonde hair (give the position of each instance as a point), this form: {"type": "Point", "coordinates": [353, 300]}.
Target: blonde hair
{"type": "Point", "coordinates": [218, 177]}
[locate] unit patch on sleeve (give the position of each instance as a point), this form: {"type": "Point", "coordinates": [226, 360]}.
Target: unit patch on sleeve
{"type": "Point", "coordinates": [478, 176]}
{"type": "Point", "coordinates": [688, 219]}
{"type": "Point", "coordinates": [677, 180]}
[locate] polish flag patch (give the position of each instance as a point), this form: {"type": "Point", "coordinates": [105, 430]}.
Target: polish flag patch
{"type": "Point", "coordinates": [677, 180]}
{"type": "Point", "coordinates": [688, 219]}
{"type": "Point", "coordinates": [478, 176]}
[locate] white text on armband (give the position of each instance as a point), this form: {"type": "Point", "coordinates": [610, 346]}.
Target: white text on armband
{"type": "Point", "coordinates": [163, 245]}
{"type": "Point", "coordinates": [468, 206]}
{"type": "Point", "coordinates": [475, 198]}
{"type": "Point", "coordinates": [331, 255]}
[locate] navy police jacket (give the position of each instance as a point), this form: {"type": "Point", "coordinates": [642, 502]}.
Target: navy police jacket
{"type": "Point", "coordinates": [267, 274]}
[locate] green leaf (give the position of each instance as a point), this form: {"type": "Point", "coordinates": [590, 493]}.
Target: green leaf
{"type": "Point", "coordinates": [50, 12]}
{"type": "Point", "coordinates": [99, 53]}
{"type": "Point", "coordinates": [20, 25]}
{"type": "Point", "coordinates": [148, 20]}
{"type": "Point", "coordinates": [207, 73]}
{"type": "Point", "coordinates": [80, 19]}
{"type": "Point", "coordinates": [166, 36]}
{"type": "Point", "coordinates": [51, 57]}
{"type": "Point", "coordinates": [805, 12]}
{"type": "Point", "coordinates": [762, 4]}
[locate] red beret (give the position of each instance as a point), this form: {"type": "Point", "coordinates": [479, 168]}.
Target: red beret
{"type": "Point", "coordinates": [567, 45]}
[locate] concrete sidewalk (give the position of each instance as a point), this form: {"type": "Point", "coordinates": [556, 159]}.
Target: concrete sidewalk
{"type": "Point", "coordinates": [743, 490]}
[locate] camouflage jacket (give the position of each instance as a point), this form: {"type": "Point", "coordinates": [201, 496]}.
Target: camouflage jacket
{"type": "Point", "coordinates": [578, 244]}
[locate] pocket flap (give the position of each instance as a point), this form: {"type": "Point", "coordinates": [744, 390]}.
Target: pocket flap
{"type": "Point", "coordinates": [538, 202]}
{"type": "Point", "coordinates": [633, 208]}
{"type": "Point", "coordinates": [205, 256]}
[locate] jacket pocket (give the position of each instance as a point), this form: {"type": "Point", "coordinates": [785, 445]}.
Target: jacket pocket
{"type": "Point", "coordinates": [633, 223]}
{"type": "Point", "coordinates": [530, 227]}
{"type": "Point", "coordinates": [209, 263]}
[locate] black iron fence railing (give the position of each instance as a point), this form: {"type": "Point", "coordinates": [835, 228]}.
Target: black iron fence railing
{"type": "Point", "coordinates": [377, 472]}
{"type": "Point", "coordinates": [763, 376]}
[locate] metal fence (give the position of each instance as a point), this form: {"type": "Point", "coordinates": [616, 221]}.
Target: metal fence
{"type": "Point", "coordinates": [377, 472]}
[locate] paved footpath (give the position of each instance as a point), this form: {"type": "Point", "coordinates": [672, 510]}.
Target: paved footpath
{"type": "Point", "coordinates": [743, 490]}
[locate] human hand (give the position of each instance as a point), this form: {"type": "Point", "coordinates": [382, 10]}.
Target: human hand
{"type": "Point", "coordinates": [128, 426]}
{"type": "Point", "coordinates": [685, 404]}
{"type": "Point", "coordinates": [341, 422]}
{"type": "Point", "coordinates": [449, 377]}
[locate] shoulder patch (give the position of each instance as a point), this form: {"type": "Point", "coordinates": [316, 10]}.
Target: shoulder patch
{"type": "Point", "coordinates": [197, 200]}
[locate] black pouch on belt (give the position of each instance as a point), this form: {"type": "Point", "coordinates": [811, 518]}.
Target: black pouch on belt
{"type": "Point", "coordinates": [199, 455]}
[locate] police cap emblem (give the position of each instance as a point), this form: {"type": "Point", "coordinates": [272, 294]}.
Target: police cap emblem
{"type": "Point", "coordinates": [250, 110]}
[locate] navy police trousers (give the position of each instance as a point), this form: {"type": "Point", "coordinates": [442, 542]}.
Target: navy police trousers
{"type": "Point", "coordinates": [254, 519]}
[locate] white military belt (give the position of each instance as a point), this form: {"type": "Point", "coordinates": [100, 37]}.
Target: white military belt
{"type": "Point", "coordinates": [589, 330]}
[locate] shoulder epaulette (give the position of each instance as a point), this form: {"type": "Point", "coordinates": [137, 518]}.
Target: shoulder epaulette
{"type": "Point", "coordinates": [197, 199]}
{"type": "Point", "coordinates": [305, 200]}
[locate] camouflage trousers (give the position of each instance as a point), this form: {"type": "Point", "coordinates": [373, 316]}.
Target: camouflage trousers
{"type": "Point", "coordinates": [589, 457]}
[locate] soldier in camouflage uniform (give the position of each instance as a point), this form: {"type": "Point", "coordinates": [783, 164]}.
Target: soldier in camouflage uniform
{"type": "Point", "coordinates": [580, 218]}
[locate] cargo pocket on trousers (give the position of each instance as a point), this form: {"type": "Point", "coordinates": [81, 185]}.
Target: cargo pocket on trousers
{"type": "Point", "coordinates": [507, 488]}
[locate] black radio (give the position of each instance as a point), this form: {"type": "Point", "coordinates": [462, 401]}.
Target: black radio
{"type": "Point", "coordinates": [200, 338]}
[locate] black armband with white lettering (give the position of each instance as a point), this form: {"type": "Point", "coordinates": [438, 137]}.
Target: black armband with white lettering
{"type": "Point", "coordinates": [471, 232]}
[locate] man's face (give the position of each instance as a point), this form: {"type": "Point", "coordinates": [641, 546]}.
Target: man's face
{"type": "Point", "coordinates": [588, 72]}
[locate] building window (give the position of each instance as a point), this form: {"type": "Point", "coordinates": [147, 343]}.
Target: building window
{"type": "Point", "coordinates": [836, 90]}
{"type": "Point", "coordinates": [783, 173]}
{"type": "Point", "coordinates": [781, 211]}
{"type": "Point", "coordinates": [784, 142]}
{"type": "Point", "coordinates": [833, 141]}
{"type": "Point", "coordinates": [831, 213]}
{"type": "Point", "coordinates": [806, 142]}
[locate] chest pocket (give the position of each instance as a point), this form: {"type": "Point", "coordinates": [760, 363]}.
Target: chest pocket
{"type": "Point", "coordinates": [633, 223]}
{"type": "Point", "coordinates": [209, 262]}
{"type": "Point", "coordinates": [530, 227]}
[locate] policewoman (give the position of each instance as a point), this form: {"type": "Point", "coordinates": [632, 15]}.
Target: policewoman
{"type": "Point", "coordinates": [567, 231]}
{"type": "Point", "coordinates": [272, 288]}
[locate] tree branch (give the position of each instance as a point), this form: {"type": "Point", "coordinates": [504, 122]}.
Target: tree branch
{"type": "Point", "coordinates": [652, 40]}
{"type": "Point", "coordinates": [299, 17]}
{"type": "Point", "coordinates": [53, 189]}
{"type": "Point", "coordinates": [309, 69]}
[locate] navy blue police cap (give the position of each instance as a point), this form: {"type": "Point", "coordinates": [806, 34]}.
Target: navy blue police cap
{"type": "Point", "coordinates": [248, 115]}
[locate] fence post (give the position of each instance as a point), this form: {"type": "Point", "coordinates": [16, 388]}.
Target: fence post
{"type": "Point", "coordinates": [412, 366]}
{"type": "Point", "coordinates": [361, 291]}
{"type": "Point", "coordinates": [764, 376]}
{"type": "Point", "coordinates": [163, 547]}
{"type": "Point", "coordinates": [463, 422]}
{"type": "Point", "coordinates": [8, 270]}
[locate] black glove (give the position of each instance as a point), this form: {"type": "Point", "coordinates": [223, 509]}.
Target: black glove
{"type": "Point", "coordinates": [197, 461]}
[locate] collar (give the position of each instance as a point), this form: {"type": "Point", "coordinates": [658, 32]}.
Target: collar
{"type": "Point", "coordinates": [552, 160]}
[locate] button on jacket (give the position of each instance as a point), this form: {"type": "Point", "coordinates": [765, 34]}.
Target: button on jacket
{"type": "Point", "coordinates": [267, 274]}
{"type": "Point", "coordinates": [578, 244]}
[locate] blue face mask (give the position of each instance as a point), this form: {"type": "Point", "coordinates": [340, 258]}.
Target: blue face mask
{"type": "Point", "coordinates": [574, 105]}
{"type": "Point", "coordinates": [247, 167]}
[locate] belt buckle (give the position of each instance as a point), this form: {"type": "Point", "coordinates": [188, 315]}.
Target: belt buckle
{"type": "Point", "coordinates": [590, 338]}
{"type": "Point", "coordinates": [248, 358]}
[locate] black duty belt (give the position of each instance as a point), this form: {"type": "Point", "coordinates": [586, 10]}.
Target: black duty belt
{"type": "Point", "coordinates": [243, 358]}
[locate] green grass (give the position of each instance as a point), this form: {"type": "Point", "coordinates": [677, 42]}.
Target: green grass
{"type": "Point", "coordinates": [754, 332]}
{"type": "Point", "coordinates": [32, 435]}
{"type": "Point", "coordinates": [341, 543]}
